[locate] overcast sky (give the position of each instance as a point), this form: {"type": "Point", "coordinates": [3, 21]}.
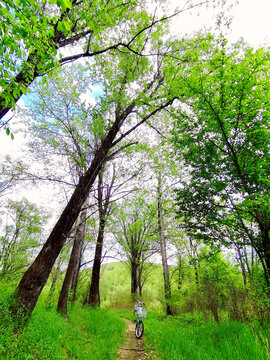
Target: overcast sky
{"type": "Point", "coordinates": [250, 20]}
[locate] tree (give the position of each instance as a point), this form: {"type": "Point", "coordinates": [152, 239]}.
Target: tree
{"type": "Point", "coordinates": [135, 233]}
{"type": "Point", "coordinates": [223, 136]}
{"type": "Point", "coordinates": [19, 238]}
{"type": "Point", "coordinates": [163, 251]}
{"type": "Point", "coordinates": [74, 261]}
{"type": "Point", "coordinates": [104, 197]}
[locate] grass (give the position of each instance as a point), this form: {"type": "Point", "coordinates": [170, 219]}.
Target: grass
{"type": "Point", "coordinates": [176, 338]}
{"type": "Point", "coordinates": [96, 334]}
{"type": "Point", "coordinates": [88, 334]}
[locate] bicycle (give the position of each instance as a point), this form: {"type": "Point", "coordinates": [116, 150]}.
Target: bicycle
{"type": "Point", "coordinates": [141, 313]}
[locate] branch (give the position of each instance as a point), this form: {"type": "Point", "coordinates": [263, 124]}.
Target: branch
{"type": "Point", "coordinates": [111, 156]}
{"type": "Point", "coordinates": [161, 107]}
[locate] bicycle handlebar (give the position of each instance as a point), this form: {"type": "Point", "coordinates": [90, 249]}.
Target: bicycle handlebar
{"type": "Point", "coordinates": [139, 302]}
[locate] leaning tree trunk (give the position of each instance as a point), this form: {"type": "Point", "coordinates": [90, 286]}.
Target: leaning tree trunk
{"type": "Point", "coordinates": [74, 259]}
{"type": "Point", "coordinates": [37, 275]}
{"type": "Point", "coordinates": [166, 276]}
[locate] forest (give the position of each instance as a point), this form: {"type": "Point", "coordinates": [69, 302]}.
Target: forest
{"type": "Point", "coordinates": [134, 165]}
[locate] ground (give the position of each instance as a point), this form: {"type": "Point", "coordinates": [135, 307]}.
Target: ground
{"type": "Point", "coordinates": [133, 348]}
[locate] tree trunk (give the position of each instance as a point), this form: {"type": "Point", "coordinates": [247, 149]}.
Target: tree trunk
{"type": "Point", "coordinates": [242, 265]}
{"type": "Point", "coordinates": [55, 275]}
{"type": "Point", "coordinates": [74, 259]}
{"type": "Point", "coordinates": [134, 278]}
{"type": "Point", "coordinates": [266, 246]}
{"type": "Point", "coordinates": [180, 271]}
{"type": "Point", "coordinates": [37, 275]}
{"type": "Point", "coordinates": [166, 276]}
{"type": "Point", "coordinates": [94, 295]}
{"type": "Point", "coordinates": [75, 277]}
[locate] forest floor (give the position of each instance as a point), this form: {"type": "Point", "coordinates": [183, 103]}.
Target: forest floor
{"type": "Point", "coordinates": [133, 348]}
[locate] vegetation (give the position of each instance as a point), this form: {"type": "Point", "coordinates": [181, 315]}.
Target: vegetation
{"type": "Point", "coordinates": [89, 334]}
{"type": "Point", "coordinates": [153, 150]}
{"type": "Point", "coordinates": [192, 338]}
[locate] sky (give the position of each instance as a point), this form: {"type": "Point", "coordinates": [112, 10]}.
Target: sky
{"type": "Point", "coordinates": [250, 20]}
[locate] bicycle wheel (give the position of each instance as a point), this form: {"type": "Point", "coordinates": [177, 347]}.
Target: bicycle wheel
{"type": "Point", "coordinates": [139, 329]}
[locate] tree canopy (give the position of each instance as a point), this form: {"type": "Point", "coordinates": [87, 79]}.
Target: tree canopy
{"type": "Point", "coordinates": [223, 135]}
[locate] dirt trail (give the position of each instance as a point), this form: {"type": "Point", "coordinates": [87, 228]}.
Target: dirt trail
{"type": "Point", "coordinates": [132, 349]}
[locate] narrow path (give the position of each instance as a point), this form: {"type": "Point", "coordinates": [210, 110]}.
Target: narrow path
{"type": "Point", "coordinates": [132, 349]}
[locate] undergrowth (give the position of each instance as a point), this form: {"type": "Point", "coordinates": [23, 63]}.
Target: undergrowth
{"type": "Point", "coordinates": [87, 334]}
{"type": "Point", "coordinates": [180, 338]}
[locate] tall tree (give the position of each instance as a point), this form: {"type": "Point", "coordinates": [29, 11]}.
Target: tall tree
{"type": "Point", "coordinates": [163, 250]}
{"type": "Point", "coordinates": [19, 238]}
{"type": "Point", "coordinates": [74, 260]}
{"type": "Point", "coordinates": [104, 198]}
{"type": "Point", "coordinates": [135, 231]}
{"type": "Point", "coordinates": [224, 139]}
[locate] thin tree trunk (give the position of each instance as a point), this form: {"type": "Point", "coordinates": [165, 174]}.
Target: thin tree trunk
{"type": "Point", "coordinates": [55, 275]}
{"type": "Point", "coordinates": [166, 275]}
{"type": "Point", "coordinates": [266, 246]}
{"type": "Point", "coordinates": [75, 277]}
{"type": "Point", "coordinates": [74, 259]}
{"type": "Point", "coordinates": [242, 265]}
{"type": "Point", "coordinates": [180, 270]}
{"type": "Point", "coordinates": [103, 209]}
{"type": "Point", "coordinates": [134, 278]}
{"type": "Point", "coordinates": [94, 294]}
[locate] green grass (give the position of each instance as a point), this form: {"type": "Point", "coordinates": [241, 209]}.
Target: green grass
{"type": "Point", "coordinates": [88, 334]}
{"type": "Point", "coordinates": [174, 339]}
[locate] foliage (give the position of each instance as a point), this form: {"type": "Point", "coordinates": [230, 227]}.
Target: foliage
{"type": "Point", "coordinates": [188, 338]}
{"type": "Point", "coordinates": [135, 230]}
{"type": "Point", "coordinates": [89, 334]}
{"type": "Point", "coordinates": [20, 237]}
{"type": "Point", "coordinates": [34, 32]}
{"type": "Point", "coordinates": [223, 136]}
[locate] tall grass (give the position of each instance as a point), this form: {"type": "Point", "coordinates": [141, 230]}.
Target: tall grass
{"type": "Point", "coordinates": [174, 338]}
{"type": "Point", "coordinates": [88, 334]}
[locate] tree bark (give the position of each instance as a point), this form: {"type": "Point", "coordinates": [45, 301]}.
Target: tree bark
{"type": "Point", "coordinates": [180, 271]}
{"type": "Point", "coordinates": [166, 275]}
{"type": "Point", "coordinates": [74, 259]}
{"type": "Point", "coordinates": [54, 277]}
{"type": "Point", "coordinates": [134, 277]}
{"type": "Point", "coordinates": [103, 209]}
{"type": "Point", "coordinates": [94, 294]}
{"type": "Point", "coordinates": [75, 277]}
